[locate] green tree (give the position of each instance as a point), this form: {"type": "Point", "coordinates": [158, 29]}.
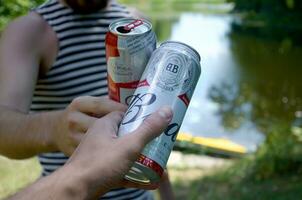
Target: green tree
{"type": "Point", "coordinates": [269, 95]}
{"type": "Point", "coordinates": [273, 6]}
{"type": "Point", "coordinates": [14, 8]}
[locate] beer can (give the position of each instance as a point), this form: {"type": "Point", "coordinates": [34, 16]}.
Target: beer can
{"type": "Point", "coordinates": [129, 45]}
{"type": "Point", "coordinates": [169, 79]}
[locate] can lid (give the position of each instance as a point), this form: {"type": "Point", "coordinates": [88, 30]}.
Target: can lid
{"type": "Point", "coordinates": [137, 176]}
{"type": "Point", "coordinates": [141, 174]}
{"type": "Point", "coordinates": [187, 47]}
{"type": "Point", "coordinates": [130, 26]}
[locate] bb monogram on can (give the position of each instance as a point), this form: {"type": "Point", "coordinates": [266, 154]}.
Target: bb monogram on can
{"type": "Point", "coordinates": [169, 78]}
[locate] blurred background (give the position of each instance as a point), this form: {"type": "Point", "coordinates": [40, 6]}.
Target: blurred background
{"type": "Point", "coordinates": [242, 135]}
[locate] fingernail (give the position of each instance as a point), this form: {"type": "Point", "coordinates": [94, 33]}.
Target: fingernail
{"type": "Point", "coordinates": [166, 112]}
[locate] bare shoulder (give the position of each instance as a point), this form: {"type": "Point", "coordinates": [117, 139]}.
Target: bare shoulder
{"type": "Point", "coordinates": [27, 28]}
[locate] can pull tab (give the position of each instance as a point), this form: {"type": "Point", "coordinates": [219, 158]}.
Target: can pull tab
{"type": "Point", "coordinates": [134, 24]}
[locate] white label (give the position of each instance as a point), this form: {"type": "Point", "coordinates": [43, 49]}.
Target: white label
{"type": "Point", "coordinates": [134, 53]}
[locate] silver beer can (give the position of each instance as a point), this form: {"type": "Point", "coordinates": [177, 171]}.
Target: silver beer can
{"type": "Point", "coordinates": [129, 45]}
{"type": "Point", "coordinates": [169, 79]}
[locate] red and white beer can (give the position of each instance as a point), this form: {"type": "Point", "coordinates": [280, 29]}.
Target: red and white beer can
{"type": "Point", "coordinates": [170, 78]}
{"type": "Point", "coordinates": [129, 45]}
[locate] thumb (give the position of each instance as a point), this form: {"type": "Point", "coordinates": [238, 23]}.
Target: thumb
{"type": "Point", "coordinates": [151, 127]}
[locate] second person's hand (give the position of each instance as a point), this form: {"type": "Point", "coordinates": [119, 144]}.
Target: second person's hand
{"type": "Point", "coordinates": [75, 120]}
{"type": "Point", "coordinates": [103, 159]}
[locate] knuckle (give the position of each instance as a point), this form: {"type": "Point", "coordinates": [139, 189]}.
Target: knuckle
{"type": "Point", "coordinates": [148, 126]}
{"type": "Point", "coordinates": [117, 114]}
{"type": "Point", "coordinates": [134, 149]}
{"type": "Point", "coordinates": [72, 122]}
{"type": "Point", "coordinates": [71, 117]}
{"type": "Point", "coordinates": [75, 141]}
{"type": "Point", "coordinates": [70, 140]}
{"type": "Point", "coordinates": [95, 104]}
{"type": "Point", "coordinates": [77, 100]}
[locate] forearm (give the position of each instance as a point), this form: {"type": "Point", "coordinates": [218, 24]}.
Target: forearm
{"type": "Point", "coordinates": [25, 135]}
{"type": "Point", "coordinates": [85, 175]}
{"type": "Point", "coordinates": [66, 183]}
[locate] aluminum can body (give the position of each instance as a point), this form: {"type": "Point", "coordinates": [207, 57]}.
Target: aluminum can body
{"type": "Point", "coordinates": [127, 54]}
{"type": "Point", "coordinates": [169, 79]}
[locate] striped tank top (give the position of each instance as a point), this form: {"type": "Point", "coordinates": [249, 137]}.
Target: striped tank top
{"type": "Point", "coordinates": [79, 69]}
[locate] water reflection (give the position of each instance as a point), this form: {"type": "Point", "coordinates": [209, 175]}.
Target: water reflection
{"type": "Point", "coordinates": [246, 81]}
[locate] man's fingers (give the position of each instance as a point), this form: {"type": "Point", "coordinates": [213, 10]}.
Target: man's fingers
{"type": "Point", "coordinates": [80, 122]}
{"type": "Point", "coordinates": [97, 106]}
{"type": "Point", "coordinates": [110, 122]}
{"type": "Point", "coordinates": [152, 127]}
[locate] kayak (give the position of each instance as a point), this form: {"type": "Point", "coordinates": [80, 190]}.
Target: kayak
{"type": "Point", "coordinates": [219, 146]}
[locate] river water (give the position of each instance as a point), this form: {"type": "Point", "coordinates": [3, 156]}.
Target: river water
{"type": "Point", "coordinates": [244, 76]}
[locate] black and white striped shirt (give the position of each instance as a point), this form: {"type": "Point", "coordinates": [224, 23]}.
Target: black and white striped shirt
{"type": "Point", "coordinates": [79, 69]}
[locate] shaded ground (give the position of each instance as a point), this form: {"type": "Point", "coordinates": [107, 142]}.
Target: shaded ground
{"type": "Point", "coordinates": [15, 174]}
{"type": "Point", "coordinates": [229, 180]}
{"type": "Point", "coordinates": [193, 178]}
{"type": "Point", "coordinates": [228, 188]}
{"type": "Point", "coordinates": [281, 188]}
{"type": "Point", "coordinates": [184, 169]}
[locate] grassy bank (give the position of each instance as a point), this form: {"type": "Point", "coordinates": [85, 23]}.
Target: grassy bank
{"type": "Point", "coordinates": [233, 184]}
{"type": "Point", "coordinates": [233, 179]}
{"type": "Point", "coordinates": [163, 9]}
{"type": "Point", "coordinates": [213, 178]}
{"type": "Point", "coordinates": [184, 170]}
{"type": "Point", "coordinates": [15, 174]}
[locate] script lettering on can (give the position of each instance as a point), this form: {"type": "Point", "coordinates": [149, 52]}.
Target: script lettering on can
{"type": "Point", "coordinates": [136, 106]}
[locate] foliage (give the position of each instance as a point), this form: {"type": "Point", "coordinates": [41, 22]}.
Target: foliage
{"type": "Point", "coordinates": [278, 14]}
{"type": "Point", "coordinates": [231, 186]}
{"type": "Point", "coordinates": [157, 7]}
{"type": "Point", "coordinates": [275, 6]}
{"type": "Point", "coordinates": [170, 1]}
{"type": "Point", "coordinates": [281, 155]}
{"type": "Point", "coordinates": [270, 97]}
{"type": "Point", "coordinates": [281, 152]}
{"type": "Point", "coordinates": [14, 8]}
{"type": "Point", "coordinates": [233, 182]}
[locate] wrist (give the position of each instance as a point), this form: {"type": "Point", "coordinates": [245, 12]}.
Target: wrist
{"type": "Point", "coordinates": [57, 128]}
{"type": "Point", "coordinates": [85, 179]}
{"type": "Point", "coordinates": [45, 124]}
{"type": "Point", "coordinates": [71, 183]}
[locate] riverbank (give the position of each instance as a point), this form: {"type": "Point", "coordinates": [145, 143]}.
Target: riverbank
{"type": "Point", "coordinates": [197, 177]}
{"type": "Point", "coordinates": [15, 174]}
{"type": "Point", "coordinates": [208, 178]}
{"type": "Point", "coordinates": [183, 169]}
{"type": "Point", "coordinates": [267, 26]}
